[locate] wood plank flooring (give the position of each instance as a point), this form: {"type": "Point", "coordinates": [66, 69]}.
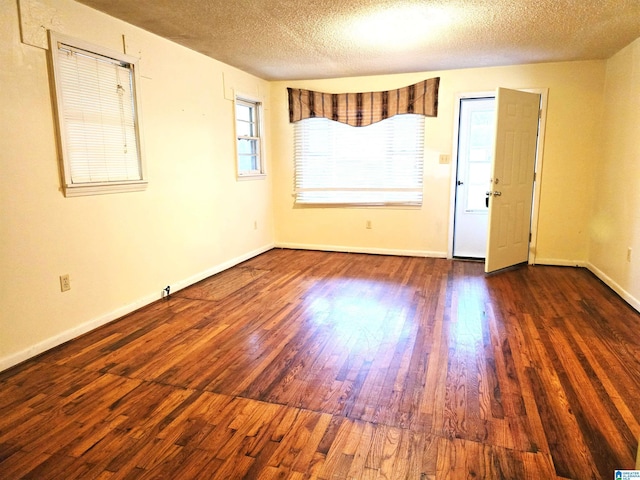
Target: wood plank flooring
{"type": "Point", "coordinates": [302, 364]}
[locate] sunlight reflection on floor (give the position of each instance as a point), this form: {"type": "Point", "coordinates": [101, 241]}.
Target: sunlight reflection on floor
{"type": "Point", "coordinates": [468, 316]}
{"type": "Point", "coordinates": [359, 315]}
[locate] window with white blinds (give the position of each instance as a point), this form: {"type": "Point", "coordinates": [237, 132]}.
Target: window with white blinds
{"type": "Point", "coordinates": [98, 118]}
{"type": "Point", "coordinates": [380, 164]}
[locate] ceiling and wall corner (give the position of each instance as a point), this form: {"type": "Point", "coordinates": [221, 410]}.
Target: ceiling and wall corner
{"type": "Point", "coordinates": [284, 40]}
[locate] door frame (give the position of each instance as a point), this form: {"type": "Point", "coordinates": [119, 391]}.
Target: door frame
{"type": "Point", "coordinates": [537, 184]}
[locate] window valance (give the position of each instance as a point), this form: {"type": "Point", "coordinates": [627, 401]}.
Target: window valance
{"type": "Point", "coordinates": [362, 109]}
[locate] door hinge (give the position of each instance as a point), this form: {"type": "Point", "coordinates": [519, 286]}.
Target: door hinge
{"type": "Point", "coordinates": [529, 237]}
{"type": "Point", "coordinates": [535, 175]}
{"type": "Point", "coordinates": [540, 113]}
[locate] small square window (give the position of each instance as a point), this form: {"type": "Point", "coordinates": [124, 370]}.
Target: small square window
{"type": "Point", "coordinates": [249, 137]}
{"type": "Point", "coordinates": [98, 118]}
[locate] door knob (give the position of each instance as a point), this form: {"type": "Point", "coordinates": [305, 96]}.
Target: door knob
{"type": "Point", "coordinates": [460, 182]}
{"type": "Point", "coordinates": [497, 194]}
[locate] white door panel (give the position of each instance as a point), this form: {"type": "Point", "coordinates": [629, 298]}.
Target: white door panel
{"type": "Point", "coordinates": [512, 178]}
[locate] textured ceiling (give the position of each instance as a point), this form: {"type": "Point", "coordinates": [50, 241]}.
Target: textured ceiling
{"type": "Point", "coordinates": [302, 39]}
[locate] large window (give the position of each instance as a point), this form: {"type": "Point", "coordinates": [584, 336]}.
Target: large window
{"type": "Point", "coordinates": [380, 164]}
{"type": "Point", "coordinates": [98, 120]}
{"type": "Point", "coordinates": [248, 137]}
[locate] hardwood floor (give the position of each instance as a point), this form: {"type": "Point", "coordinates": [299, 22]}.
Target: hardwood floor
{"type": "Point", "coordinates": [302, 364]}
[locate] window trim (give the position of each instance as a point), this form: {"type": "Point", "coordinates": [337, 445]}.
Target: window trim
{"type": "Point", "coordinates": [258, 106]}
{"type": "Point", "coordinates": [70, 188]}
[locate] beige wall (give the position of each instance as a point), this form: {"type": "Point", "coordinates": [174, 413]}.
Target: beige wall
{"type": "Point", "coordinates": [615, 223]}
{"type": "Point", "coordinates": [120, 250]}
{"type": "Point", "coordinates": [571, 149]}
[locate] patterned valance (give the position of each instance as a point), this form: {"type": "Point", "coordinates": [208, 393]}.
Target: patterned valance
{"type": "Point", "coordinates": [362, 109]}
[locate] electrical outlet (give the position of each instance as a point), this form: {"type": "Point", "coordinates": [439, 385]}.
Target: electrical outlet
{"type": "Point", "coordinates": [629, 254]}
{"type": "Point", "coordinates": [368, 225]}
{"type": "Point", "coordinates": [65, 283]}
{"type": "Point", "coordinates": [255, 224]}
{"type": "Point", "coordinates": [444, 158]}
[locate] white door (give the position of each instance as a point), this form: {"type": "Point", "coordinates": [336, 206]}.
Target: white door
{"type": "Point", "coordinates": [475, 154]}
{"type": "Point", "coordinates": [511, 184]}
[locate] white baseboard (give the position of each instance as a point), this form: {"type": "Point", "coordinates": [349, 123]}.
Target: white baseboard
{"type": "Point", "coordinates": [368, 250]}
{"type": "Point", "coordinates": [51, 342]}
{"type": "Point", "coordinates": [557, 262]}
{"type": "Point", "coordinates": [626, 296]}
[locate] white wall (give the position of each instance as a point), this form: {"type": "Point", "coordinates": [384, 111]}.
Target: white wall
{"type": "Point", "coordinates": [120, 250]}
{"type": "Point", "coordinates": [615, 222]}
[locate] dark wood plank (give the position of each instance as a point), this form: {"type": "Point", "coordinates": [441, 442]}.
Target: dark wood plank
{"type": "Point", "coordinates": [303, 364]}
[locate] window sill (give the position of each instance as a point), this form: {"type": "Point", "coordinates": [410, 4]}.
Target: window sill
{"type": "Point", "coordinates": [104, 188]}
{"type": "Point", "coordinates": [388, 205]}
{"type": "Point", "coordinates": [251, 176]}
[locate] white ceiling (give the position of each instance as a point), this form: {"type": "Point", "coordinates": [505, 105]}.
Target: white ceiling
{"type": "Point", "coordinates": [302, 39]}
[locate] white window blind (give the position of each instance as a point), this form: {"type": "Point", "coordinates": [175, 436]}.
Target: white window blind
{"type": "Point", "coordinates": [98, 118]}
{"type": "Point", "coordinates": [380, 164]}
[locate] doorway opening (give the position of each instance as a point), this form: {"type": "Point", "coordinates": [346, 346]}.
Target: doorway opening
{"type": "Point", "coordinates": [476, 132]}
{"type": "Point", "coordinates": [488, 212]}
